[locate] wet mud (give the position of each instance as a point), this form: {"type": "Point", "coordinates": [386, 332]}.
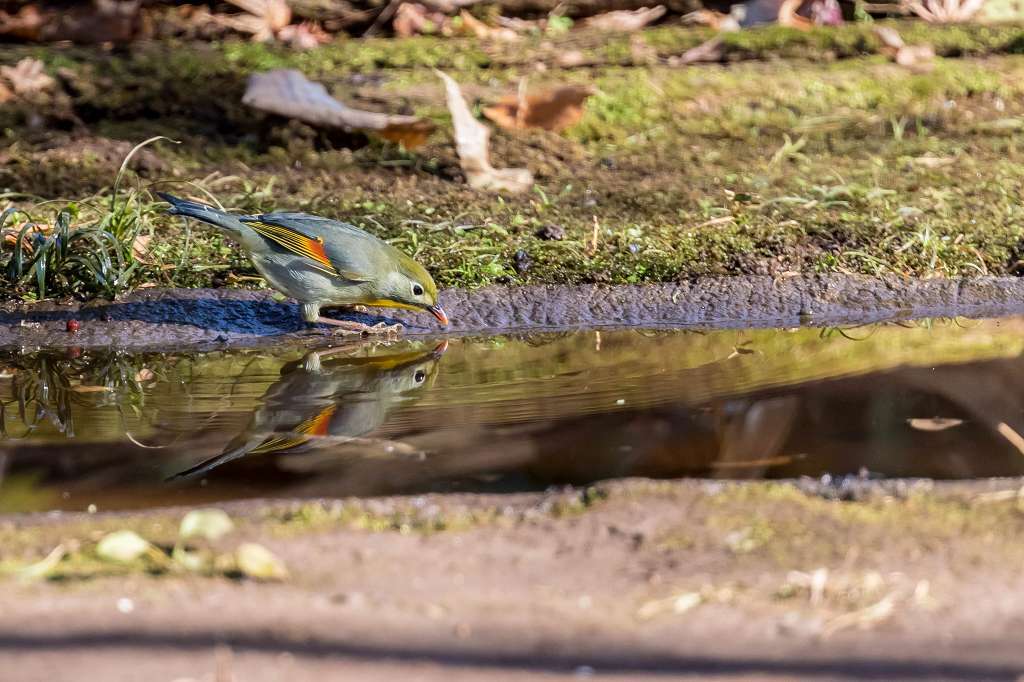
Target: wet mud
{"type": "Point", "coordinates": [200, 318]}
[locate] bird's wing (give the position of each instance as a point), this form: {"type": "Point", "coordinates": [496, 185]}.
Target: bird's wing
{"type": "Point", "coordinates": [303, 235]}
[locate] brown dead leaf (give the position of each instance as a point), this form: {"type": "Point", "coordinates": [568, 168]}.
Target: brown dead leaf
{"type": "Point", "coordinates": [624, 20]}
{"type": "Point", "coordinates": [471, 144]}
{"type": "Point", "coordinates": [788, 15]}
{"type": "Point", "coordinates": [304, 36]}
{"type": "Point", "coordinates": [140, 248]}
{"type": "Point", "coordinates": [288, 93]}
{"type": "Point", "coordinates": [412, 18]}
{"type": "Point", "coordinates": [27, 24]}
{"type": "Point", "coordinates": [5, 93]}
{"type": "Point", "coordinates": [708, 51]}
{"type": "Point", "coordinates": [263, 18]}
{"type": "Point", "coordinates": [555, 110]}
{"type": "Point", "coordinates": [485, 32]}
{"type": "Point", "coordinates": [27, 77]}
{"type": "Point", "coordinates": [716, 20]}
{"type": "Point", "coordinates": [918, 58]}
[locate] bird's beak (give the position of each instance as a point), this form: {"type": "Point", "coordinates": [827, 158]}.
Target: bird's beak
{"type": "Point", "coordinates": [438, 312]}
{"type": "Point", "coordinates": [440, 349]}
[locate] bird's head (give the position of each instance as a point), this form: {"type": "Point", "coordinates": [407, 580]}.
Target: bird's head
{"type": "Point", "coordinates": [409, 285]}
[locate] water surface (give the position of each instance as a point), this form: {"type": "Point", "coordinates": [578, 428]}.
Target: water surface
{"type": "Point", "coordinates": [112, 430]}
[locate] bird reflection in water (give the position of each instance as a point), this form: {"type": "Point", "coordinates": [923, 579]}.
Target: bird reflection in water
{"type": "Point", "coordinates": [322, 401]}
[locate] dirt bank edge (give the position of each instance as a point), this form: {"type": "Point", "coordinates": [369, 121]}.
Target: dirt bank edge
{"type": "Point", "coordinates": [163, 318]}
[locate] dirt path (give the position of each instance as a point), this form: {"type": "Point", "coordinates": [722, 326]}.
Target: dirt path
{"type": "Point", "coordinates": [171, 318]}
{"type": "Point", "coordinates": [711, 580]}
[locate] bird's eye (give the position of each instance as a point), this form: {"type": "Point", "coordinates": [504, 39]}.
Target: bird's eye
{"type": "Point", "coordinates": [420, 376]}
{"type": "Point", "coordinates": [417, 290]}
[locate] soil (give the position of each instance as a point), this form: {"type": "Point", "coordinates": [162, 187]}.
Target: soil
{"type": "Point", "coordinates": [213, 317]}
{"type": "Point", "coordinates": [917, 581]}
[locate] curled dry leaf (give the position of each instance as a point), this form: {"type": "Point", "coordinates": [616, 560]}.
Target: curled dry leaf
{"type": "Point", "coordinates": [556, 109]}
{"type": "Point", "coordinates": [485, 32]}
{"type": "Point", "coordinates": [27, 77]}
{"type": "Point", "coordinates": [624, 20]}
{"type": "Point", "coordinates": [288, 93]}
{"type": "Point", "coordinates": [471, 144]}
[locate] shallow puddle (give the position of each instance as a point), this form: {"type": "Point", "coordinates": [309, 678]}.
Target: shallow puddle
{"type": "Point", "coordinates": [110, 430]}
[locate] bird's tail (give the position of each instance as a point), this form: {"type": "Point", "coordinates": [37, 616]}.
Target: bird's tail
{"type": "Point", "coordinates": [208, 465]}
{"type": "Point", "coordinates": [204, 212]}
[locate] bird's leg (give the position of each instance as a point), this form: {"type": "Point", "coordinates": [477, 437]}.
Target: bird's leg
{"type": "Point", "coordinates": [311, 314]}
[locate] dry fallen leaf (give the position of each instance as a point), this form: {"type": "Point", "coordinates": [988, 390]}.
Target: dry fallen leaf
{"type": "Point", "coordinates": [413, 18]}
{"type": "Point", "coordinates": [263, 18]}
{"type": "Point", "coordinates": [708, 51]}
{"type": "Point", "coordinates": [934, 423]}
{"type": "Point", "coordinates": [788, 15]}
{"type": "Point", "coordinates": [914, 57]}
{"type": "Point", "coordinates": [27, 24]}
{"type": "Point", "coordinates": [304, 36]}
{"type": "Point", "coordinates": [624, 20]}
{"type": "Point", "coordinates": [27, 77]}
{"type": "Point", "coordinates": [288, 93]}
{"type": "Point", "coordinates": [471, 144]}
{"type": "Point", "coordinates": [485, 32]}
{"type": "Point", "coordinates": [556, 109]}
{"type": "Point", "coordinates": [140, 248]}
{"type": "Point", "coordinates": [716, 20]}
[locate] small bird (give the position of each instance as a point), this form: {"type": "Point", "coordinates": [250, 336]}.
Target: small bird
{"type": "Point", "coordinates": [320, 403]}
{"type": "Point", "coordinates": [323, 262]}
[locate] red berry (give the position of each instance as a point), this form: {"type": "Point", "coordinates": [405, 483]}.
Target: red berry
{"type": "Point", "coordinates": [73, 326]}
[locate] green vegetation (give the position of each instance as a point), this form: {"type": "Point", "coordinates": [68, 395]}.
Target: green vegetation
{"type": "Point", "coordinates": [830, 159]}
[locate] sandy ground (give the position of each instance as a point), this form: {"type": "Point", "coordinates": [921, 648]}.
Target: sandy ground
{"type": "Point", "coordinates": [201, 317]}
{"type": "Point", "coordinates": [686, 579]}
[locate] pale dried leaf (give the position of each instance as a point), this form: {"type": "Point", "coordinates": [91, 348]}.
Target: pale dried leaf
{"type": "Point", "coordinates": [555, 109]}
{"type": "Point", "coordinates": [624, 20]}
{"type": "Point", "coordinates": [788, 15]}
{"type": "Point", "coordinates": [211, 524]}
{"type": "Point", "coordinates": [471, 144]}
{"type": "Point", "coordinates": [122, 546]}
{"type": "Point", "coordinates": [716, 20]}
{"type": "Point", "coordinates": [266, 17]}
{"type": "Point", "coordinates": [258, 562]}
{"type": "Point", "coordinates": [45, 567]}
{"type": "Point", "coordinates": [413, 18]}
{"type": "Point", "coordinates": [145, 374]}
{"type": "Point", "coordinates": [304, 36]}
{"type": "Point", "coordinates": [890, 37]}
{"type": "Point", "coordinates": [140, 248]}
{"type": "Point", "coordinates": [934, 423]}
{"type": "Point", "coordinates": [27, 77]}
{"type": "Point", "coordinates": [485, 32]}
{"type": "Point", "coordinates": [677, 604]}
{"type": "Point", "coordinates": [708, 51]}
{"type": "Point", "coordinates": [288, 93]}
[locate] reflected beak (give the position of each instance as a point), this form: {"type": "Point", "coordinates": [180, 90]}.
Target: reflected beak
{"type": "Point", "coordinates": [438, 312]}
{"type": "Point", "coordinates": [440, 349]}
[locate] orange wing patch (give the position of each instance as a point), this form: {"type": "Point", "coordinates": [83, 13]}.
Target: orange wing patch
{"type": "Point", "coordinates": [298, 243]}
{"type": "Point", "coordinates": [316, 426]}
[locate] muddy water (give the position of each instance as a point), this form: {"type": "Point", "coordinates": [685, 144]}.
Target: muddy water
{"type": "Point", "coordinates": [114, 430]}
